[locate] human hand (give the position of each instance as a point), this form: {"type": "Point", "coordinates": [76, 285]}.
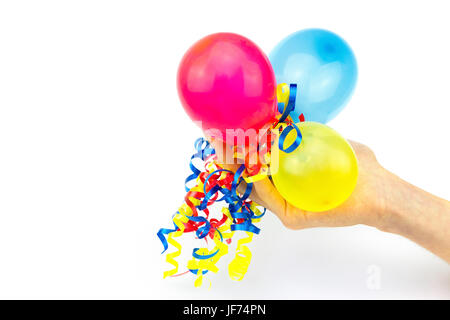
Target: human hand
{"type": "Point", "coordinates": [380, 199]}
{"type": "Point", "coordinates": [365, 205]}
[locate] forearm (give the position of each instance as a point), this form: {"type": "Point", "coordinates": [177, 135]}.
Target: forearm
{"type": "Point", "coordinates": [417, 215]}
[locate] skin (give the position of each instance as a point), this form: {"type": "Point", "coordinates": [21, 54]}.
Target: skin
{"type": "Point", "coordinates": [380, 199]}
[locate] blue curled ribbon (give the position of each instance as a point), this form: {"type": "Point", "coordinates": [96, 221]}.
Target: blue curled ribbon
{"type": "Point", "coordinates": [213, 191]}
{"type": "Point", "coordinates": [246, 226]}
{"type": "Point", "coordinates": [162, 232]}
{"type": "Point", "coordinates": [248, 215]}
{"type": "Point", "coordinates": [285, 113]}
{"type": "Point", "coordinates": [206, 256]}
{"type": "Point", "coordinates": [283, 135]}
{"type": "Point", "coordinates": [195, 271]}
{"type": "Point", "coordinates": [291, 103]}
{"type": "Point", "coordinates": [203, 150]}
{"type": "Point", "coordinates": [202, 153]}
{"type": "Point", "coordinates": [260, 216]}
{"type": "Point", "coordinates": [236, 204]}
{"type": "Point", "coordinates": [203, 231]}
{"type": "Point", "coordinates": [237, 181]}
{"type": "Point", "coordinates": [202, 256]}
{"type": "Point", "coordinates": [230, 196]}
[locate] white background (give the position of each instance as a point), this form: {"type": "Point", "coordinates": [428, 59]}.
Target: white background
{"type": "Point", "coordinates": [94, 146]}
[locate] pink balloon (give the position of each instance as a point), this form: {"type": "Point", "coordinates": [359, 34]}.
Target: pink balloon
{"type": "Point", "coordinates": [226, 82]}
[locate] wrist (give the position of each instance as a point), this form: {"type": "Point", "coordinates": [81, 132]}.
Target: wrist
{"type": "Point", "coordinates": [379, 210]}
{"type": "Point", "coordinates": [415, 214]}
{"type": "Point", "coordinates": [391, 206]}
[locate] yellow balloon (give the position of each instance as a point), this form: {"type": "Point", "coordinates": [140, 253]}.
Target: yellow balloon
{"type": "Point", "coordinates": [320, 174]}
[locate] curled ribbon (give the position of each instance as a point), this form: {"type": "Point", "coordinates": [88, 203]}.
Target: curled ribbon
{"type": "Point", "coordinates": [212, 184]}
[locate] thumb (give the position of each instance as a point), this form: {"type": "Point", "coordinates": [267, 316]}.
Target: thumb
{"type": "Point", "coordinates": [290, 216]}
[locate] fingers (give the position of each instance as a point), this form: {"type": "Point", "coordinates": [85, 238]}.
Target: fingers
{"type": "Point", "coordinates": [264, 189]}
{"type": "Point", "coordinates": [264, 193]}
{"type": "Point", "coordinates": [291, 217]}
{"type": "Point", "coordinates": [224, 152]}
{"type": "Point", "coordinates": [221, 151]}
{"type": "Point", "coordinates": [295, 218]}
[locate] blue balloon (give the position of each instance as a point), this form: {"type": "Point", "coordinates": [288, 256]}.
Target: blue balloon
{"type": "Point", "coordinates": [324, 68]}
